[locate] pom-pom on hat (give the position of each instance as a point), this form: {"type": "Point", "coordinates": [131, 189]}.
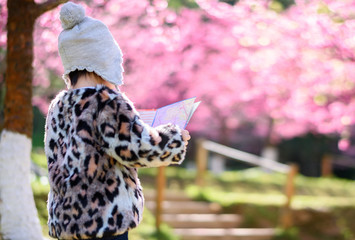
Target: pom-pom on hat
{"type": "Point", "coordinates": [86, 43]}
{"type": "Point", "coordinates": [71, 14]}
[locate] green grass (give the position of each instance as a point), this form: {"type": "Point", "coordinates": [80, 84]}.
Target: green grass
{"type": "Point", "coordinates": [226, 198]}
{"type": "Point", "coordinates": [255, 186]}
{"type": "Point", "coordinates": [40, 190]}
{"type": "Point", "coordinates": [39, 158]}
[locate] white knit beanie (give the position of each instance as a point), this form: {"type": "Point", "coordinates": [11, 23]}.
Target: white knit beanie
{"type": "Point", "coordinates": [86, 43]}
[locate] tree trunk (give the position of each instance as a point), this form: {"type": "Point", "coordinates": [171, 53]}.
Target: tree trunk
{"type": "Point", "coordinates": [18, 214]}
{"type": "Point", "coordinates": [19, 219]}
{"type": "Point", "coordinates": [18, 106]}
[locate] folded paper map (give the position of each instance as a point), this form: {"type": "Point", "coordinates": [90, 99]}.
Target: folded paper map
{"type": "Point", "coordinates": [178, 113]}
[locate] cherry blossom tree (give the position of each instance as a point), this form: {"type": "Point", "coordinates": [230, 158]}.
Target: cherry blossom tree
{"type": "Point", "coordinates": [17, 209]}
{"type": "Point", "coordinates": [288, 73]}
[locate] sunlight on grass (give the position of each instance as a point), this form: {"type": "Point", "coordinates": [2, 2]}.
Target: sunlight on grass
{"type": "Point", "coordinates": [254, 186]}
{"type": "Point", "coordinates": [321, 202]}
{"type": "Point", "coordinates": [39, 159]}
{"type": "Point", "coordinates": [229, 198]}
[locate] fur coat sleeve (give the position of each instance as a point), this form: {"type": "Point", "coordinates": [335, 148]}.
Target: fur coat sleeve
{"type": "Point", "coordinates": [126, 138]}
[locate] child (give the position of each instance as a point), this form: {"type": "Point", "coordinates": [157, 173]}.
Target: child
{"type": "Point", "coordinates": [95, 138]}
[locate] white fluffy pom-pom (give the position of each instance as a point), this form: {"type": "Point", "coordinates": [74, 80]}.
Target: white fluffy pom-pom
{"type": "Point", "coordinates": [71, 14]}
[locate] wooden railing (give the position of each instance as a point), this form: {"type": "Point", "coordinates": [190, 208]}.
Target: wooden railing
{"type": "Point", "coordinates": [205, 146]}
{"type": "Point", "coordinates": [160, 183]}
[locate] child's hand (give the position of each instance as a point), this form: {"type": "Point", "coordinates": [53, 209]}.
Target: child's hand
{"type": "Point", "coordinates": [185, 136]}
{"type": "Point", "coordinates": [155, 136]}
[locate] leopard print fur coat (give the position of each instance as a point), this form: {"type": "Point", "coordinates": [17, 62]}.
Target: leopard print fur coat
{"type": "Point", "coordinates": [94, 143]}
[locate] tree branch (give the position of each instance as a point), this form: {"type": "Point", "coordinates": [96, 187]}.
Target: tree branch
{"type": "Point", "coordinates": [46, 6]}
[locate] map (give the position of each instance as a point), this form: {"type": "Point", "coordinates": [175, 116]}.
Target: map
{"type": "Point", "coordinates": [178, 113]}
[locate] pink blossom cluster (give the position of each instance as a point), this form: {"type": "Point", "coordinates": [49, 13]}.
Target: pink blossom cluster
{"type": "Point", "coordinates": [247, 63]}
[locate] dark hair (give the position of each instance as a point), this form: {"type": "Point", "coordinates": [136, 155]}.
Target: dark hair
{"type": "Point", "coordinates": [74, 76]}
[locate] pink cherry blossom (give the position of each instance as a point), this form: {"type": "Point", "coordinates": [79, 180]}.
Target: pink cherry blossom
{"type": "Point", "coordinates": [247, 63]}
